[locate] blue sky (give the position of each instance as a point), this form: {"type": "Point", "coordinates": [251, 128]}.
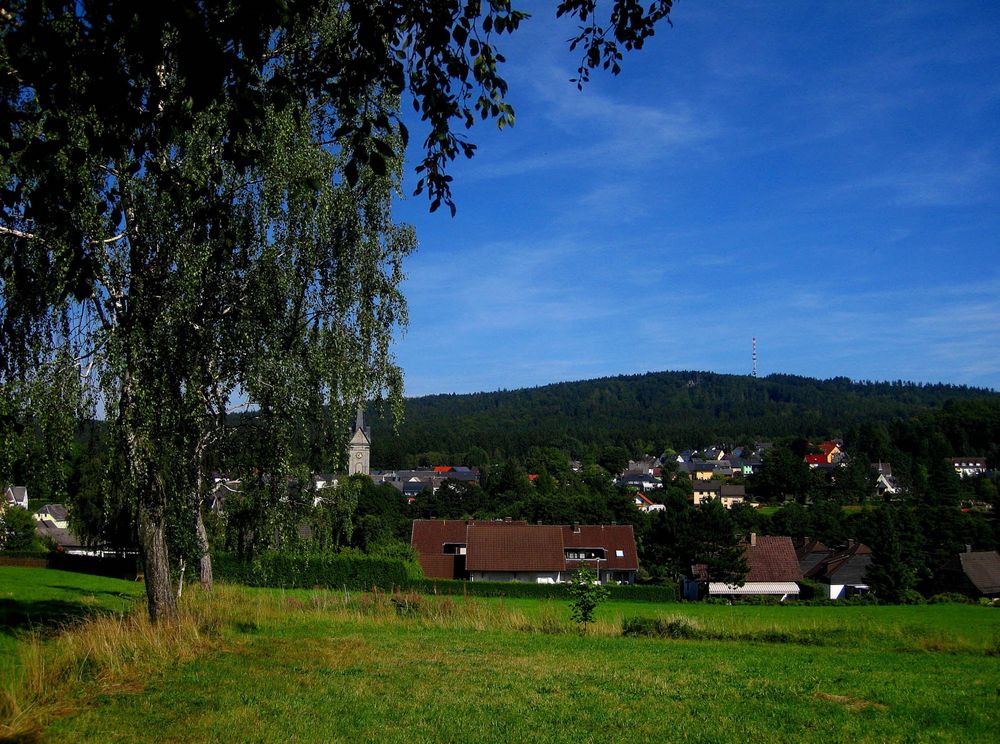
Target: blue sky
{"type": "Point", "coordinates": [821, 176]}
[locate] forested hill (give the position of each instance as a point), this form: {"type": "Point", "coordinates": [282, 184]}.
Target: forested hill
{"type": "Point", "coordinates": [648, 412]}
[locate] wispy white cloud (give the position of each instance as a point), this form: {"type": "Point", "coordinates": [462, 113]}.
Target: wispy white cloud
{"type": "Point", "coordinates": [941, 178]}
{"type": "Point", "coordinates": [590, 130]}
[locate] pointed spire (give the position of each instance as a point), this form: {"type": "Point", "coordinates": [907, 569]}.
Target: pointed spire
{"type": "Point", "coordinates": [359, 424]}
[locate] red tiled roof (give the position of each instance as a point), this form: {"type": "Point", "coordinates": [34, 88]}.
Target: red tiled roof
{"type": "Point", "coordinates": [442, 468]}
{"type": "Point", "coordinates": [828, 447]}
{"type": "Point", "coordinates": [815, 459]}
{"type": "Point", "coordinates": [772, 559]}
{"type": "Point", "coordinates": [518, 546]}
{"type": "Point", "coordinates": [428, 536]}
{"type": "Point", "coordinates": [514, 547]}
{"type": "Point", "coordinates": [440, 566]}
{"type": "Point", "coordinates": [613, 538]}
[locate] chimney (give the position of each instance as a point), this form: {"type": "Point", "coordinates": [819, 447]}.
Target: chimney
{"type": "Point", "coordinates": [506, 520]}
{"type": "Point", "coordinates": [753, 539]}
{"type": "Point", "coordinates": [968, 548]}
{"type": "Point", "coordinates": [576, 528]}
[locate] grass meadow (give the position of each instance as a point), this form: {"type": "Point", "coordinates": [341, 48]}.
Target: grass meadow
{"type": "Point", "coordinates": [247, 665]}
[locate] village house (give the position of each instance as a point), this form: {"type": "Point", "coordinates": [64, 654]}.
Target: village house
{"type": "Point", "coordinates": [643, 481]}
{"type": "Point", "coordinates": [843, 570]}
{"type": "Point", "coordinates": [15, 496]}
{"type": "Point", "coordinates": [968, 467]}
{"type": "Point", "coordinates": [517, 551]}
{"type": "Point", "coordinates": [646, 504]}
{"type": "Point", "coordinates": [411, 483]}
{"type": "Point", "coordinates": [773, 570]}
{"type": "Point", "coordinates": [974, 573]}
{"type": "Point", "coordinates": [646, 465]}
{"type": "Point", "coordinates": [53, 526]}
{"type": "Point", "coordinates": [885, 484]}
{"type": "Point", "coordinates": [727, 493]}
{"type": "Point", "coordinates": [809, 553]}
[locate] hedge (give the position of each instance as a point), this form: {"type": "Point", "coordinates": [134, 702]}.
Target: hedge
{"type": "Point", "coordinates": [358, 571]}
{"type": "Point", "coordinates": [517, 589]}
{"type": "Point", "coordinates": [333, 571]}
{"type": "Point", "coordinates": [111, 566]}
{"type": "Point", "coordinates": [42, 555]}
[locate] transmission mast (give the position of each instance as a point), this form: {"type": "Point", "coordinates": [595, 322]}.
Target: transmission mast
{"type": "Point", "coordinates": [753, 372]}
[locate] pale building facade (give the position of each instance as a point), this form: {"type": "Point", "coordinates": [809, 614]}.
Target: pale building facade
{"type": "Point", "coordinates": [359, 449]}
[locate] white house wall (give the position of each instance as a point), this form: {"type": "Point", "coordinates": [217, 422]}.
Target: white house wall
{"type": "Point", "coordinates": [530, 577]}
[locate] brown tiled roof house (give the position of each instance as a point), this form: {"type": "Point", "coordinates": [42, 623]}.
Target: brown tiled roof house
{"type": "Point", "coordinates": [773, 569]}
{"type": "Point", "coordinates": [518, 551]}
{"type": "Point", "coordinates": [844, 570]}
{"type": "Point", "coordinates": [975, 573]}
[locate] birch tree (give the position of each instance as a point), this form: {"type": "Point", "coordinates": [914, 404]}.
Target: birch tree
{"type": "Point", "coordinates": [195, 205]}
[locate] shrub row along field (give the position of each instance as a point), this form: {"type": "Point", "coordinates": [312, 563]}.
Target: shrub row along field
{"type": "Point", "coordinates": [316, 665]}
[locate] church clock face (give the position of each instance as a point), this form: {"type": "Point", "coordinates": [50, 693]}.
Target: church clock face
{"type": "Point", "coordinates": [357, 455]}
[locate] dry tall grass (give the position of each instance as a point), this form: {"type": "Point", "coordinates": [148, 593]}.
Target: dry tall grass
{"type": "Point", "coordinates": [107, 652]}
{"type": "Point", "coordinates": [112, 653]}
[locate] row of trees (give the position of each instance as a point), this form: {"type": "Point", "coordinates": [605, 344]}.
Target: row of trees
{"type": "Point", "coordinates": [653, 412]}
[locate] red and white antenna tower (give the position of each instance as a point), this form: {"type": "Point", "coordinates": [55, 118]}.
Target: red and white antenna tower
{"type": "Point", "coordinates": [753, 373]}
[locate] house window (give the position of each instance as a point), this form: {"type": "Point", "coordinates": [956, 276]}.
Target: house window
{"type": "Point", "coordinates": [619, 554]}
{"type": "Point", "coordinates": [585, 554]}
{"type": "Point", "coordinates": [454, 548]}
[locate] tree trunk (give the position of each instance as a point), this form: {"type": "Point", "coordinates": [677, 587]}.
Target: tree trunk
{"type": "Point", "coordinates": [201, 534]}
{"type": "Point", "coordinates": [205, 561]}
{"type": "Point", "coordinates": [156, 561]}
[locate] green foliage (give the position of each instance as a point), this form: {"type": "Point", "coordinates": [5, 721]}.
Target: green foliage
{"type": "Point", "coordinates": [949, 598]}
{"type": "Point", "coordinates": [394, 550]}
{"type": "Point", "coordinates": [333, 516]}
{"type": "Point", "coordinates": [18, 530]}
{"type": "Point", "coordinates": [661, 627]}
{"type": "Point", "coordinates": [336, 571]}
{"type": "Point", "coordinates": [585, 593]}
{"type": "Point", "coordinates": [782, 475]}
{"type": "Point", "coordinates": [682, 410]}
{"type": "Point", "coordinates": [523, 590]}
{"type": "Point", "coordinates": [889, 576]}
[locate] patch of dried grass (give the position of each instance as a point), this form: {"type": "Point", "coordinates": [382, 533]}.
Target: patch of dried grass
{"type": "Point", "coordinates": [852, 704]}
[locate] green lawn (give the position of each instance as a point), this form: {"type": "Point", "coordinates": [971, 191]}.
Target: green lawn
{"type": "Point", "coordinates": [39, 599]}
{"type": "Point", "coordinates": [319, 666]}
{"type": "Point", "coordinates": [326, 680]}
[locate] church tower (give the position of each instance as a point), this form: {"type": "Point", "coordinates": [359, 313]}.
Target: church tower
{"type": "Point", "coordinates": [359, 450]}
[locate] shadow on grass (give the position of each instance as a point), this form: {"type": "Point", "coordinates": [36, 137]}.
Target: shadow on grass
{"type": "Point", "coordinates": [18, 616]}
{"type": "Point", "coordinates": [104, 592]}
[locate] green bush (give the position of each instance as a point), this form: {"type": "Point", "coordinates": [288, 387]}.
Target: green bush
{"type": "Point", "coordinates": [912, 597]}
{"type": "Point", "coordinates": [522, 590]}
{"type": "Point", "coordinates": [18, 530]}
{"type": "Point", "coordinates": [333, 571]}
{"type": "Point", "coordinates": [659, 627]}
{"type": "Point", "coordinates": [39, 554]}
{"type": "Point", "coordinates": [949, 598]}
{"type": "Point", "coordinates": [809, 589]}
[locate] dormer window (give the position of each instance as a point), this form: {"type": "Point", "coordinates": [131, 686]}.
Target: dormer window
{"type": "Point", "coordinates": [585, 554]}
